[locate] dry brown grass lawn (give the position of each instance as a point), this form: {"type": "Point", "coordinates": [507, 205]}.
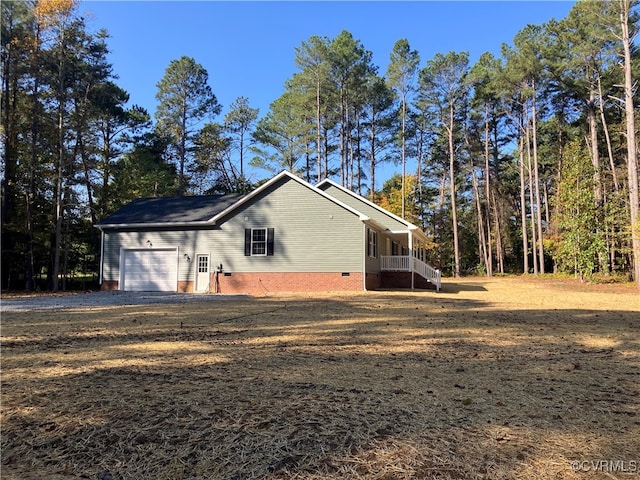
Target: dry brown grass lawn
{"type": "Point", "coordinates": [499, 379]}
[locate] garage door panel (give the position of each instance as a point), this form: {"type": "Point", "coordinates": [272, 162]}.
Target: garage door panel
{"type": "Point", "coordinates": [150, 270]}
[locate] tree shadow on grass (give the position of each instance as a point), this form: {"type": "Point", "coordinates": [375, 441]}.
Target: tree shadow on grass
{"type": "Point", "coordinates": [454, 287]}
{"type": "Point", "coordinates": [332, 388]}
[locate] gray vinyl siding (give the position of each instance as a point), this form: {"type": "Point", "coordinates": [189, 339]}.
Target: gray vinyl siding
{"type": "Point", "coordinates": [312, 234]}
{"type": "Point", "coordinates": [187, 242]}
{"type": "Point", "coordinates": [363, 207]}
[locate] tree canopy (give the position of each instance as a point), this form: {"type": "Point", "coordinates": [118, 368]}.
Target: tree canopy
{"type": "Point", "coordinates": [522, 161]}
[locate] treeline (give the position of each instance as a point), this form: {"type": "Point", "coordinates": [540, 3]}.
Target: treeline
{"type": "Point", "coordinates": [74, 150]}
{"type": "Point", "coordinates": [522, 162]}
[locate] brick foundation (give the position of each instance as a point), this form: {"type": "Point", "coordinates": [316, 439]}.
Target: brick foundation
{"type": "Point", "coordinates": [403, 280]}
{"type": "Point", "coordinates": [374, 281]}
{"type": "Point", "coordinates": [110, 285]}
{"type": "Point", "coordinates": [185, 287]}
{"type": "Point", "coordinates": [270, 282]}
{"type": "Point", "coordinates": [261, 283]}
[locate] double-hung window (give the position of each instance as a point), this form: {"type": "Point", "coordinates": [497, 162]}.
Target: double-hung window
{"type": "Point", "coordinates": [372, 243]}
{"type": "Point", "coordinates": [258, 241]}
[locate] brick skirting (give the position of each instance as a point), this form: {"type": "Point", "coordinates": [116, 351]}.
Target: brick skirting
{"type": "Point", "coordinates": [270, 282]}
{"type": "Point", "coordinates": [261, 283]}
{"type": "Point", "coordinates": [110, 285]}
{"type": "Point", "coordinates": [403, 280]}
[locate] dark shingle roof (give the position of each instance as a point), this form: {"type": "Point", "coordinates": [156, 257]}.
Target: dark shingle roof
{"type": "Point", "coordinates": [171, 210]}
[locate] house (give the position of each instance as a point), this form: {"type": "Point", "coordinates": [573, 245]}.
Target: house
{"type": "Point", "coordinates": [287, 235]}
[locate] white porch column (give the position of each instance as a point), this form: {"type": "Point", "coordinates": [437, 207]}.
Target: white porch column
{"type": "Point", "coordinates": [411, 257]}
{"type": "Point", "coordinates": [364, 256]}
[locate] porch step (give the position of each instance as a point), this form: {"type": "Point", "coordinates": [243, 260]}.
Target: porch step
{"type": "Point", "coordinates": [404, 264]}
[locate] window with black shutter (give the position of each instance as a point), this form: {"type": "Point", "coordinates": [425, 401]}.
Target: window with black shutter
{"type": "Point", "coordinates": [259, 241]}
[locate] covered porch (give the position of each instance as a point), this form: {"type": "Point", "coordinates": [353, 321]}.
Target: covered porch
{"type": "Point", "coordinates": [406, 252]}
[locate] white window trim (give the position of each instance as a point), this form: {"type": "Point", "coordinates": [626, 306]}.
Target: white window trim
{"type": "Point", "coordinates": [264, 242]}
{"type": "Point", "coordinates": [372, 243]}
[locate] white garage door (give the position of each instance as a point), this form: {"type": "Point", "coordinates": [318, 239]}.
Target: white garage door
{"type": "Point", "coordinates": [145, 270]}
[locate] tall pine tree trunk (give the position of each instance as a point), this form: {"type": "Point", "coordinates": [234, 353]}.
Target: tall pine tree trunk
{"type": "Point", "coordinates": [536, 170]}
{"type": "Point", "coordinates": [607, 137]}
{"type": "Point", "coordinates": [595, 161]}
{"type": "Point", "coordinates": [523, 207]}
{"type": "Point", "coordinates": [482, 240]}
{"type": "Point", "coordinates": [632, 153]}
{"type": "Point", "coordinates": [595, 155]}
{"type": "Point", "coordinates": [404, 165]}
{"type": "Point", "coordinates": [487, 190]}
{"type": "Point", "coordinates": [183, 150]}
{"type": "Point", "coordinates": [453, 194]}
{"type": "Point", "coordinates": [31, 189]}
{"type": "Point", "coordinates": [318, 126]}
{"type": "Point", "coordinates": [59, 209]}
{"type": "Point", "coordinates": [534, 256]}
{"type": "Point", "coordinates": [499, 249]}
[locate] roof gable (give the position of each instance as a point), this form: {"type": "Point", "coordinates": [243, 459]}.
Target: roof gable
{"type": "Point", "coordinates": [383, 216]}
{"type": "Point", "coordinates": [284, 175]}
{"type": "Point", "coordinates": [203, 210]}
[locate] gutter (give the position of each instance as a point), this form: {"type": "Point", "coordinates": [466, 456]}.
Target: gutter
{"type": "Point", "coordinates": [116, 226]}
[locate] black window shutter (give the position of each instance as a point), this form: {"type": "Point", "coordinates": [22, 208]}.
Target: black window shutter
{"type": "Point", "coordinates": [247, 242]}
{"type": "Point", "coordinates": [270, 233]}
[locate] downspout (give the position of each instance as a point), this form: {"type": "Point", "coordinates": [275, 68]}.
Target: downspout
{"type": "Point", "coordinates": [101, 256]}
{"type": "Point", "coordinates": [411, 257]}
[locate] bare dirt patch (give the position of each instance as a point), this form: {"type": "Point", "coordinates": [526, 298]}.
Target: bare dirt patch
{"type": "Point", "coordinates": [502, 378]}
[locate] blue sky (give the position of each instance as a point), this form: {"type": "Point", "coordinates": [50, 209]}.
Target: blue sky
{"type": "Point", "coordinates": [248, 47]}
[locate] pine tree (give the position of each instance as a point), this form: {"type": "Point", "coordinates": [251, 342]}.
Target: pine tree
{"type": "Point", "coordinates": [185, 101]}
{"type": "Point", "coordinates": [401, 73]}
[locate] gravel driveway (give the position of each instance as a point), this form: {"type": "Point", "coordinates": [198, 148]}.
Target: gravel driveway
{"type": "Point", "coordinates": [103, 299]}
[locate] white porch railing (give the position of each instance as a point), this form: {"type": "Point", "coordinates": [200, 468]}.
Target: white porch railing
{"type": "Point", "coordinates": [395, 263]}
{"type": "Point", "coordinates": [427, 271]}
{"type": "Point", "coordinates": [402, 263]}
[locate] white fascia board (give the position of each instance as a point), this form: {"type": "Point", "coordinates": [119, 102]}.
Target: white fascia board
{"type": "Point", "coordinates": [418, 233]}
{"type": "Point", "coordinates": [414, 231]}
{"type": "Point", "coordinates": [373, 223]}
{"type": "Point", "coordinates": [410, 226]}
{"type": "Point", "coordinates": [248, 197]}
{"type": "Point", "coordinates": [277, 178]}
{"type": "Point", "coordinates": [368, 202]}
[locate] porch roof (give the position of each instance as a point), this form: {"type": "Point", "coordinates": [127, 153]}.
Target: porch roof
{"type": "Point", "coordinates": [390, 222]}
